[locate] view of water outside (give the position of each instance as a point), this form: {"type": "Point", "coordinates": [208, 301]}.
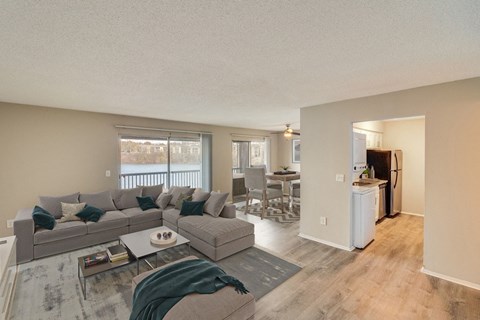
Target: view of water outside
{"type": "Point", "coordinates": [140, 158]}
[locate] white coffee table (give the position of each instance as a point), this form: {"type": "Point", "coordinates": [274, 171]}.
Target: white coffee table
{"type": "Point", "coordinates": [139, 246]}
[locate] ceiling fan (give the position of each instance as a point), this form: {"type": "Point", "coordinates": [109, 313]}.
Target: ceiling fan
{"type": "Point", "coordinates": [288, 132]}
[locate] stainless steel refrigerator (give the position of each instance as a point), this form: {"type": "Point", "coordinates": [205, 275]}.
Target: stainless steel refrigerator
{"type": "Point", "coordinates": [388, 166]}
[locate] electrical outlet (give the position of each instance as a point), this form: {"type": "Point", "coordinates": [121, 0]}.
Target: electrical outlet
{"type": "Point", "coordinates": [323, 221]}
{"type": "Point", "coordinates": [9, 224]}
{"type": "Point", "coordinates": [107, 173]}
{"type": "Point", "coordinates": [340, 177]}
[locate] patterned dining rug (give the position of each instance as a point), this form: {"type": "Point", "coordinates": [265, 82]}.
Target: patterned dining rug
{"type": "Point", "coordinates": [274, 211]}
{"type": "Point", "coordinates": [48, 288]}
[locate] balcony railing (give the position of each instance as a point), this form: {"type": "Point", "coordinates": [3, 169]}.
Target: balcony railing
{"type": "Point", "coordinates": [190, 178]}
{"type": "Point", "coordinates": [237, 170]}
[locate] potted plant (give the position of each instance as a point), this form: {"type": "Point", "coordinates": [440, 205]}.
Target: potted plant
{"type": "Point", "coordinates": [284, 168]}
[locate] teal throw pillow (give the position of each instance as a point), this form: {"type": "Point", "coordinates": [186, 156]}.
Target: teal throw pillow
{"type": "Point", "coordinates": [181, 199]}
{"type": "Point", "coordinates": [43, 218]}
{"type": "Point", "coordinates": [192, 208]}
{"type": "Point", "coordinates": [146, 203]}
{"type": "Point", "coordinates": [90, 213]}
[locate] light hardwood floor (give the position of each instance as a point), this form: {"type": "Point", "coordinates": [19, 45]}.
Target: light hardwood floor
{"type": "Point", "coordinates": [381, 282]}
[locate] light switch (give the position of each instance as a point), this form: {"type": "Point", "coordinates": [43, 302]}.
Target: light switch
{"type": "Point", "coordinates": [340, 177]}
{"type": "Point", "coordinates": [323, 221]}
{"type": "Point", "coordinates": [107, 173]}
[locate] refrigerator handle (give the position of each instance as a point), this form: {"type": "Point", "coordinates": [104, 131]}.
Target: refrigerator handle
{"type": "Point", "coordinates": [396, 162]}
{"type": "Point", "coordinates": [396, 170]}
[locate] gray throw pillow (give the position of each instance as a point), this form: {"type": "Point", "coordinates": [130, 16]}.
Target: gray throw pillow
{"type": "Point", "coordinates": [101, 200]}
{"type": "Point", "coordinates": [163, 200]}
{"type": "Point", "coordinates": [200, 195]}
{"type": "Point", "coordinates": [181, 199]}
{"type": "Point", "coordinates": [174, 187]}
{"type": "Point", "coordinates": [53, 204]}
{"type": "Point", "coordinates": [215, 203]}
{"type": "Point", "coordinates": [152, 191]}
{"type": "Point", "coordinates": [126, 198]}
{"type": "Point", "coordinates": [177, 191]}
{"type": "Point", "coordinates": [69, 211]}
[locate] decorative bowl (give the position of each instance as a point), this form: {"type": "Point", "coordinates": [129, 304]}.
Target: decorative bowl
{"type": "Point", "coordinates": [162, 241]}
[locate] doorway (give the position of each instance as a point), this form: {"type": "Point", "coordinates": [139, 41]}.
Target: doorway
{"type": "Point", "coordinates": [407, 135]}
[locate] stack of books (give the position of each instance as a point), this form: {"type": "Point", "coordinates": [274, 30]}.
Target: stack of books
{"type": "Point", "coordinates": [117, 253]}
{"type": "Point", "coordinates": [95, 259]}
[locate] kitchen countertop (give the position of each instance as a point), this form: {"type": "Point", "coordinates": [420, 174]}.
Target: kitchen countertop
{"type": "Point", "coordinates": [373, 183]}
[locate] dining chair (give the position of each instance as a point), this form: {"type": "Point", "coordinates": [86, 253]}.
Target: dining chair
{"type": "Point", "coordinates": [294, 193]}
{"type": "Point", "coordinates": [275, 184]}
{"type": "Point", "coordinates": [295, 189]}
{"type": "Point", "coordinates": [256, 185]}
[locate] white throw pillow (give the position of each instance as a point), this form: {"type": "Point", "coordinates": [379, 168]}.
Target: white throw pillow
{"type": "Point", "coordinates": [163, 200]}
{"type": "Point", "coordinates": [69, 211]}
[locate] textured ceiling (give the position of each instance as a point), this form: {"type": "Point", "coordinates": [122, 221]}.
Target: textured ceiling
{"type": "Point", "coordinates": [246, 63]}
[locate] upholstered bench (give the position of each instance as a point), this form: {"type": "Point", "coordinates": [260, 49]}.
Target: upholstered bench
{"type": "Point", "coordinates": [223, 304]}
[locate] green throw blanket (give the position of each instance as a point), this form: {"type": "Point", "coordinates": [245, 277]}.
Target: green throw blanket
{"type": "Point", "coordinates": [160, 291]}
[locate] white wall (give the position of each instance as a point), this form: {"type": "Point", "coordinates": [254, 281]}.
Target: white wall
{"type": "Point", "coordinates": [452, 134]}
{"type": "Point", "coordinates": [409, 136]}
{"type": "Point", "coordinates": [47, 151]}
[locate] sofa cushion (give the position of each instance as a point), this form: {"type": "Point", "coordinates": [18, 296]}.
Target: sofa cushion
{"type": "Point", "coordinates": [152, 191]}
{"type": "Point", "coordinates": [110, 220]}
{"type": "Point", "coordinates": [53, 204]}
{"type": "Point", "coordinates": [181, 199]}
{"type": "Point", "coordinates": [126, 198]}
{"type": "Point", "coordinates": [163, 200]}
{"type": "Point", "coordinates": [192, 208]}
{"type": "Point", "coordinates": [138, 216]}
{"type": "Point", "coordinates": [171, 215]}
{"type": "Point", "coordinates": [215, 203]}
{"type": "Point", "coordinates": [176, 192]}
{"type": "Point", "coordinates": [61, 231]}
{"type": "Point", "coordinates": [90, 213]}
{"type": "Point", "coordinates": [101, 200]}
{"type": "Point", "coordinates": [200, 195]}
{"type": "Point", "coordinates": [146, 203]}
{"type": "Point", "coordinates": [215, 231]}
{"type": "Point", "coordinates": [43, 218]}
{"type": "Point", "coordinates": [69, 211]}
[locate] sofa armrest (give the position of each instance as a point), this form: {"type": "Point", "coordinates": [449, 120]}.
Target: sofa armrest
{"type": "Point", "coordinates": [23, 229]}
{"type": "Point", "coordinates": [229, 211]}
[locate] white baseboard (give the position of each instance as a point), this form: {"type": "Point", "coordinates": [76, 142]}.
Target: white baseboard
{"type": "Point", "coordinates": [451, 279]}
{"type": "Point", "coordinates": [413, 214]}
{"type": "Point", "coordinates": [328, 243]}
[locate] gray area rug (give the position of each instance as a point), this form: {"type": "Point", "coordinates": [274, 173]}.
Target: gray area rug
{"type": "Point", "coordinates": [49, 288]}
{"type": "Point", "coordinates": [274, 211]}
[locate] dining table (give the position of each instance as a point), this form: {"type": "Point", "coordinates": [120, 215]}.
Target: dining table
{"type": "Point", "coordinates": [286, 179]}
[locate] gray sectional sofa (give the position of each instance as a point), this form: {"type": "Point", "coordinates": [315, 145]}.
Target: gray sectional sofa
{"type": "Point", "coordinates": [216, 237]}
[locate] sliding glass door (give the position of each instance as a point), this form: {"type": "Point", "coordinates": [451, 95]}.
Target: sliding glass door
{"type": "Point", "coordinates": [171, 161]}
